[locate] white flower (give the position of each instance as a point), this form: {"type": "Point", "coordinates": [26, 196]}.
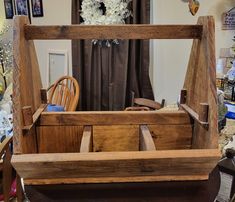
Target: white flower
{"type": "Point", "coordinates": [116, 12]}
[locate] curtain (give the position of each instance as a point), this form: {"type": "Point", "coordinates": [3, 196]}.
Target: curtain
{"type": "Point", "coordinates": [110, 76]}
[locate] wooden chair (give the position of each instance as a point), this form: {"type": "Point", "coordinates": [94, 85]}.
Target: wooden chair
{"type": "Point", "coordinates": [143, 104]}
{"type": "Point", "coordinates": [64, 92]}
{"type": "Point", "coordinates": [6, 167]}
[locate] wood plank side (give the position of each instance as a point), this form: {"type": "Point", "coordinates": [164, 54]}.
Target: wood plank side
{"type": "Point", "coordinates": [116, 164]}
{"type": "Point", "coordinates": [200, 82]}
{"type": "Point", "coordinates": [87, 140]}
{"type": "Point", "coordinates": [114, 118]}
{"type": "Point", "coordinates": [146, 140]}
{"type": "Point", "coordinates": [113, 32]}
{"type": "Point", "coordinates": [171, 137]}
{"type": "Point", "coordinates": [26, 84]}
{"type": "Point", "coordinates": [115, 138]}
{"type": "Point", "coordinates": [59, 139]}
{"type": "Point", "coordinates": [91, 180]}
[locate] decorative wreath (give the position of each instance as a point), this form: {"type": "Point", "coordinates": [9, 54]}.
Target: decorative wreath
{"type": "Point", "coordinates": [104, 12]}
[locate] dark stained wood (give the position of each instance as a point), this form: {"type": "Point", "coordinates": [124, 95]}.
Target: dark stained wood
{"type": "Point", "coordinates": [114, 118]}
{"type": "Point", "coordinates": [146, 140]}
{"type": "Point", "coordinates": [183, 96]}
{"type": "Point", "coordinates": [200, 83]}
{"type": "Point", "coordinates": [59, 139]}
{"type": "Point", "coordinates": [7, 170]}
{"type": "Point", "coordinates": [146, 166]}
{"type": "Point", "coordinates": [170, 137]}
{"type": "Point", "coordinates": [87, 140]}
{"type": "Point", "coordinates": [43, 96]}
{"type": "Point", "coordinates": [113, 32]}
{"type": "Point", "coordinates": [19, 189]}
{"type": "Point", "coordinates": [193, 191]}
{"type": "Point", "coordinates": [115, 138]}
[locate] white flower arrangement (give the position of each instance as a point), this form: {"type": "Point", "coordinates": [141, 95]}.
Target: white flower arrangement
{"type": "Point", "coordinates": [116, 11]}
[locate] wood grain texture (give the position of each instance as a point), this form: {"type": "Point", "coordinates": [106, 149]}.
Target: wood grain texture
{"type": "Point", "coordinates": [7, 171]}
{"type": "Point", "coordinates": [115, 138]}
{"type": "Point", "coordinates": [148, 103]}
{"type": "Point", "coordinates": [27, 115]}
{"type": "Point", "coordinates": [200, 82]}
{"type": "Point", "coordinates": [113, 32]}
{"type": "Point", "coordinates": [146, 140]}
{"type": "Point", "coordinates": [180, 191]}
{"type": "Point", "coordinates": [116, 164]}
{"type": "Point", "coordinates": [195, 115]}
{"type": "Point", "coordinates": [114, 118]}
{"type": "Point", "coordinates": [26, 84]}
{"type": "Point", "coordinates": [87, 140]}
{"type": "Point", "coordinates": [171, 137]}
{"type": "Point", "coordinates": [59, 139]}
{"type": "Point", "coordinates": [117, 180]}
{"type": "Point", "coordinates": [35, 118]}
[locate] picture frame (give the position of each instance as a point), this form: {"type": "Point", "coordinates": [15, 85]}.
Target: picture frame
{"type": "Point", "coordinates": [22, 8]}
{"type": "Point", "coordinates": [9, 9]}
{"type": "Point", "coordinates": [37, 8]}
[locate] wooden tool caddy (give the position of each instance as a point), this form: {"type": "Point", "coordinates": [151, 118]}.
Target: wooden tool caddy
{"type": "Point", "coordinates": [115, 147]}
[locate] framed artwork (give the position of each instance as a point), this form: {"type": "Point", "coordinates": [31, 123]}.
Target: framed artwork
{"type": "Point", "coordinates": [9, 10]}
{"type": "Point", "coordinates": [22, 8]}
{"type": "Point", "coordinates": [37, 8]}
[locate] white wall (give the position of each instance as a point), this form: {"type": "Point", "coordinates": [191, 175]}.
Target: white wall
{"type": "Point", "coordinates": [56, 12]}
{"type": "Point", "coordinates": [171, 56]}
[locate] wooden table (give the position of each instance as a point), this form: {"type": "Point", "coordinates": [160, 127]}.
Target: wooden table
{"type": "Point", "coordinates": [203, 191]}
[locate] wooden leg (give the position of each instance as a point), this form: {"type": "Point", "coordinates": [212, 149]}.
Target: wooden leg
{"type": "Point", "coordinates": [7, 175]}
{"type": "Point", "coordinates": [19, 189]}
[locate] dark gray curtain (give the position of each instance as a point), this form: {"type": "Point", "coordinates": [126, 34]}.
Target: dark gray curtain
{"type": "Point", "coordinates": [108, 76]}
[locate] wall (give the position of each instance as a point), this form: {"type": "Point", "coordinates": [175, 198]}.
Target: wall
{"type": "Point", "coordinates": [170, 57]}
{"type": "Point", "coordinates": [56, 12]}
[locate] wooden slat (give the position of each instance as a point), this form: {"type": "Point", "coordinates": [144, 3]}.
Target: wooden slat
{"type": "Point", "coordinates": [114, 118]}
{"type": "Point", "coordinates": [146, 140]}
{"type": "Point", "coordinates": [89, 180]}
{"type": "Point", "coordinates": [113, 32]}
{"type": "Point", "coordinates": [194, 115]}
{"type": "Point", "coordinates": [148, 103]}
{"type": "Point", "coordinates": [170, 137]}
{"type": "Point", "coordinates": [200, 83]}
{"type": "Point", "coordinates": [115, 138]}
{"type": "Point", "coordinates": [86, 143]}
{"type": "Point", "coordinates": [59, 139]}
{"type": "Point", "coordinates": [116, 164]}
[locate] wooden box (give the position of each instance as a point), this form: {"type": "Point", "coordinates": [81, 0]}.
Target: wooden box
{"type": "Point", "coordinates": [124, 146]}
